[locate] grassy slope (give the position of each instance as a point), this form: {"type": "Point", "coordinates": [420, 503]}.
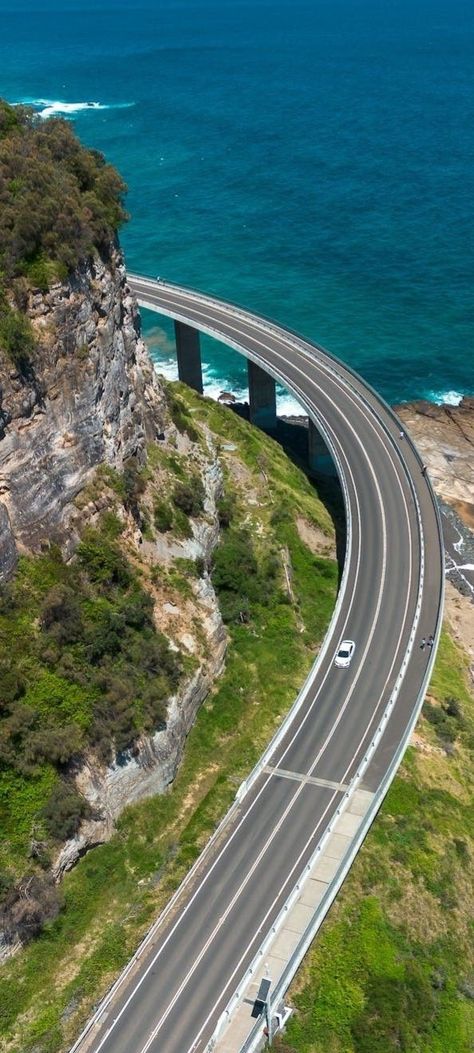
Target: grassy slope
{"type": "Point", "coordinates": [114, 893]}
{"type": "Point", "coordinates": [393, 966]}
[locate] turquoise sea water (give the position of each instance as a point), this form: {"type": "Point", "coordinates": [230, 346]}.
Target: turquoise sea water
{"type": "Point", "coordinates": [312, 159]}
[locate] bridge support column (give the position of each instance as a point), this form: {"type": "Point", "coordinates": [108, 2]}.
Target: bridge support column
{"type": "Point", "coordinates": [320, 459]}
{"type": "Point", "coordinates": [189, 356]}
{"type": "Point", "coordinates": [262, 398]}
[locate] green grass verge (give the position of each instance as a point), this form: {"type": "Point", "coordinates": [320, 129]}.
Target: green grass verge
{"type": "Point", "coordinates": [393, 966]}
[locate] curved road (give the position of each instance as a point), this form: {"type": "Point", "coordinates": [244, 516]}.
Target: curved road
{"type": "Point", "coordinates": [391, 595]}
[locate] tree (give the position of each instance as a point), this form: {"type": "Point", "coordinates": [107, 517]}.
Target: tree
{"type": "Point", "coordinates": [61, 614]}
{"type": "Point", "coordinates": [59, 201]}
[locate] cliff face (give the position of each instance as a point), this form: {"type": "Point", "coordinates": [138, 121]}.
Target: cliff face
{"type": "Point", "coordinates": [193, 624]}
{"type": "Point", "coordinates": [89, 396]}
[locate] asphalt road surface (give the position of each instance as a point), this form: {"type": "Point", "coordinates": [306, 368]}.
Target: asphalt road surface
{"type": "Point", "coordinates": [392, 585]}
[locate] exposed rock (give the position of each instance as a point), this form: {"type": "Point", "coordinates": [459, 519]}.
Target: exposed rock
{"type": "Point", "coordinates": [315, 539]}
{"type": "Point", "coordinates": [444, 436]}
{"type": "Point", "coordinates": [8, 552]}
{"type": "Point", "coordinates": [146, 772]}
{"type": "Point", "coordinates": [152, 764]}
{"type": "Point", "coordinates": [90, 396]}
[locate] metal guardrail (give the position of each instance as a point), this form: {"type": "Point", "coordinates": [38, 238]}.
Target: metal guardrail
{"type": "Point", "coordinates": [245, 786]}
{"type": "Point", "coordinates": [296, 958]}
{"type": "Point", "coordinates": [339, 371]}
{"type": "Point", "coordinates": [334, 886]}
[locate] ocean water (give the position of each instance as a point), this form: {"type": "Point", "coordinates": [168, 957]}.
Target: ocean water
{"type": "Point", "coordinates": [310, 159]}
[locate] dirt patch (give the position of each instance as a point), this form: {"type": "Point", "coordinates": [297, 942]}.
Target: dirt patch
{"type": "Point", "coordinates": [243, 479]}
{"type": "Point", "coordinates": [315, 539]}
{"type": "Point", "coordinates": [196, 791]}
{"type": "Point", "coordinates": [465, 511]}
{"type": "Point", "coordinates": [419, 743]}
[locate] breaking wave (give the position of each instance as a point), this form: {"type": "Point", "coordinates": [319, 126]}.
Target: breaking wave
{"type": "Point", "coordinates": [214, 386]}
{"type": "Point", "coordinates": [56, 108]}
{"type": "Point", "coordinates": [446, 398]}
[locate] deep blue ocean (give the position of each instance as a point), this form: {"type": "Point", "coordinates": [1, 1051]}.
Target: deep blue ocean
{"type": "Point", "coordinates": [312, 159]}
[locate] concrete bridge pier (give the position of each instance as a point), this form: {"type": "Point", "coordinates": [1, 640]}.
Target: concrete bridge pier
{"type": "Point", "coordinates": [320, 460]}
{"type": "Point", "coordinates": [189, 355]}
{"type": "Point", "coordinates": [262, 398]}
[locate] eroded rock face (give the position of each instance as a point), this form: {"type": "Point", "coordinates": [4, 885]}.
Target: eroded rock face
{"type": "Point", "coordinates": [90, 396]}
{"type": "Point", "coordinates": [147, 771]}
{"type": "Point", "coordinates": [151, 765]}
{"type": "Point", "coordinates": [445, 437]}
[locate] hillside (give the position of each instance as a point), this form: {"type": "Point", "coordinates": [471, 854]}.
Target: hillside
{"type": "Point", "coordinates": [150, 543]}
{"type": "Point", "coordinates": [275, 576]}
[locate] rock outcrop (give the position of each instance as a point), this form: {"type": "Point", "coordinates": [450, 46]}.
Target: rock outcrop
{"type": "Point", "coordinates": [445, 437]}
{"type": "Point", "coordinates": [152, 764]}
{"type": "Point", "coordinates": [90, 395]}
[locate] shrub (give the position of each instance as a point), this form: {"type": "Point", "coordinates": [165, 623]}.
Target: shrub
{"type": "Point", "coordinates": [27, 907]}
{"type": "Point", "coordinates": [61, 615]}
{"type": "Point", "coordinates": [446, 725]}
{"type": "Point", "coordinates": [133, 486]}
{"type": "Point", "coordinates": [42, 273]}
{"type": "Point", "coordinates": [225, 511]}
{"type": "Point", "coordinates": [102, 560]}
{"type": "Point", "coordinates": [52, 745]}
{"type": "Point", "coordinates": [162, 515]}
{"type": "Point", "coordinates": [12, 684]}
{"type": "Point", "coordinates": [16, 337]}
{"type": "Point", "coordinates": [10, 119]}
{"type": "Point", "coordinates": [180, 416]}
{"type": "Point", "coordinates": [240, 580]}
{"type": "Point", "coordinates": [189, 496]}
{"type": "Point", "coordinates": [64, 810]}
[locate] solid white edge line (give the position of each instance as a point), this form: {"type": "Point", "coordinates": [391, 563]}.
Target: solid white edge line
{"type": "Point", "coordinates": [283, 380]}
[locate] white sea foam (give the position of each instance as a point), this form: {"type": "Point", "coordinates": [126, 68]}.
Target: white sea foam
{"type": "Point", "coordinates": [56, 108]}
{"type": "Point", "coordinates": [446, 398]}
{"type": "Point", "coordinates": [287, 406]}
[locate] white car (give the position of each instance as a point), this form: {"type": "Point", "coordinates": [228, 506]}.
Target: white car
{"type": "Point", "coordinates": [344, 654]}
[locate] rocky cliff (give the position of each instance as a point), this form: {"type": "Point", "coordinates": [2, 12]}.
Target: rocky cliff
{"type": "Point", "coordinates": [88, 395]}
{"type": "Point", "coordinates": [187, 612]}
{"type": "Point", "coordinates": [85, 406]}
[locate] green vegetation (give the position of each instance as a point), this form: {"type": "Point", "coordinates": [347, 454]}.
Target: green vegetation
{"type": "Point", "coordinates": [393, 966]}
{"type": "Point", "coordinates": [58, 201]}
{"type": "Point", "coordinates": [82, 666]}
{"type": "Point", "coordinates": [189, 496]}
{"type": "Point", "coordinates": [16, 335]}
{"type": "Point", "coordinates": [49, 989]}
